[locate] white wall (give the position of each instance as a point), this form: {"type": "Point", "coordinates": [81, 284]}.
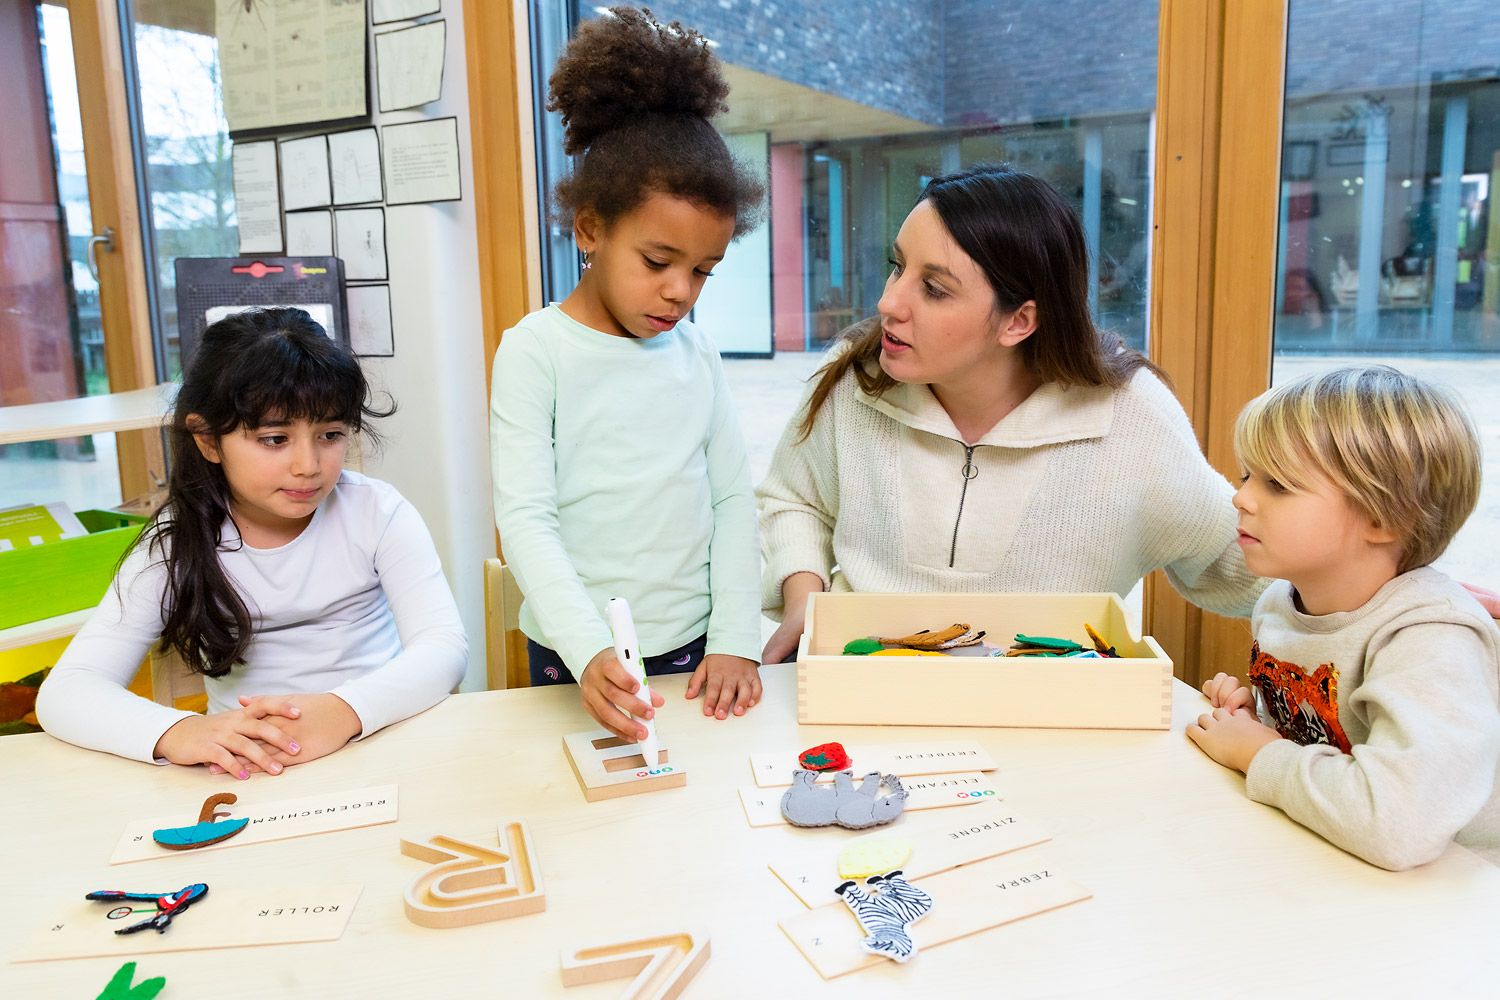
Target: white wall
{"type": "Point", "coordinates": [437, 445]}
{"type": "Point", "coordinates": [735, 306]}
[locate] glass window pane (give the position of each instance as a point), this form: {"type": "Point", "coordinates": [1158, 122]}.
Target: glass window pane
{"type": "Point", "coordinates": [852, 108]}
{"type": "Point", "coordinates": [189, 174]}
{"type": "Point", "coordinates": [50, 333]}
{"type": "Point", "coordinates": [1389, 248]}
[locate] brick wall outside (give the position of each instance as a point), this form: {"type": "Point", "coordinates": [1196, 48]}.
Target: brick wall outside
{"type": "Point", "coordinates": [976, 62]}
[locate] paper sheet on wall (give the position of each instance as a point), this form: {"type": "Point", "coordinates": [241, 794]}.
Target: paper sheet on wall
{"type": "Point", "coordinates": [409, 65]}
{"type": "Point", "coordinates": [421, 162]}
{"type": "Point", "coordinates": [304, 173]}
{"type": "Point", "coordinates": [370, 331]}
{"type": "Point", "coordinates": [354, 161]}
{"type": "Point", "coordinates": [285, 64]}
{"type": "Point", "coordinates": [257, 197]}
{"type": "Point", "coordinates": [309, 234]}
{"type": "Point", "coordinates": [385, 11]}
{"type": "Point", "coordinates": [361, 243]}
{"type": "Point", "coordinates": [227, 917]}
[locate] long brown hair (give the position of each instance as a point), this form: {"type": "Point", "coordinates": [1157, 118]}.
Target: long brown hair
{"type": "Point", "coordinates": [1028, 242]}
{"type": "Point", "coordinates": [248, 367]}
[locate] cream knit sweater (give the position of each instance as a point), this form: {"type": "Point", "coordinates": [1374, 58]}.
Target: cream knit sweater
{"type": "Point", "coordinates": [1081, 489]}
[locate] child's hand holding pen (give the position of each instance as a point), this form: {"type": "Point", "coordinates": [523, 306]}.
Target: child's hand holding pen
{"type": "Point", "coordinates": [1226, 691]}
{"type": "Point", "coordinates": [609, 692]}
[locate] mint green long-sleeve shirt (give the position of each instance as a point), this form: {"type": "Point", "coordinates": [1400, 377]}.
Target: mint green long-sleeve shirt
{"type": "Point", "coordinates": [620, 471]}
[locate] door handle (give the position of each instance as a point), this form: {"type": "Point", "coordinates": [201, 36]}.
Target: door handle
{"type": "Point", "coordinates": [91, 252]}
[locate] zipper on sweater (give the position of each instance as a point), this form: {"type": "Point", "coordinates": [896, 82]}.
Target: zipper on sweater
{"type": "Point", "coordinates": [969, 472]}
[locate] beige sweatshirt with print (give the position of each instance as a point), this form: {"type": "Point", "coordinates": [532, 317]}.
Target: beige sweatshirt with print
{"type": "Point", "coordinates": [1409, 684]}
{"type": "Point", "coordinates": [1081, 489]}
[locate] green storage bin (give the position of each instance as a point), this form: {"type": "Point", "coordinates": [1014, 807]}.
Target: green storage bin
{"type": "Point", "coordinates": [42, 581]}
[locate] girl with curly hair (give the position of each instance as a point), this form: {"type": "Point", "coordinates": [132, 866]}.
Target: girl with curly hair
{"type": "Point", "coordinates": [619, 466]}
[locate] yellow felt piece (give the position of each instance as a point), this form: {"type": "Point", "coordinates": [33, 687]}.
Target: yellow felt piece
{"type": "Point", "coordinates": [907, 652]}
{"type": "Point", "coordinates": [873, 857]}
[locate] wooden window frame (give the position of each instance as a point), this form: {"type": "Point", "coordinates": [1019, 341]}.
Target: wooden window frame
{"type": "Point", "coordinates": [501, 132]}
{"type": "Point", "coordinates": [125, 312]}
{"type": "Point", "coordinates": [1217, 182]}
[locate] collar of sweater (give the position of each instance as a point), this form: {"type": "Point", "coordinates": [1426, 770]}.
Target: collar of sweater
{"type": "Point", "coordinates": [1050, 415]}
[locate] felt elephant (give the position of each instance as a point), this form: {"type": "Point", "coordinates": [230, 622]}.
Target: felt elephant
{"type": "Point", "coordinates": [856, 808]}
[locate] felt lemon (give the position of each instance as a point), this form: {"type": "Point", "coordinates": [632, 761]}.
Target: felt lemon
{"type": "Point", "coordinates": [862, 859]}
{"type": "Point", "coordinates": [907, 652]}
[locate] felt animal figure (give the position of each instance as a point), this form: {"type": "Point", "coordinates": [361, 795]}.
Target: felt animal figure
{"type": "Point", "coordinates": [957, 634]}
{"type": "Point", "coordinates": [855, 808]}
{"type": "Point", "coordinates": [206, 831]}
{"type": "Point", "coordinates": [887, 913]}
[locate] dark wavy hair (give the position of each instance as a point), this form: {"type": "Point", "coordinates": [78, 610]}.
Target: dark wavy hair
{"type": "Point", "coordinates": [248, 369]}
{"type": "Point", "coordinates": [1029, 243]}
{"type": "Point", "coordinates": [635, 98]}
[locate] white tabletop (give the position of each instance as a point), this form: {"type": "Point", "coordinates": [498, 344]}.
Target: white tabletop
{"type": "Point", "coordinates": [1197, 891]}
{"type": "Point", "coordinates": [116, 411]}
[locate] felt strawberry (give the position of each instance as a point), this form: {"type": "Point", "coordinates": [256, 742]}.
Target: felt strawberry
{"type": "Point", "coordinates": [824, 757]}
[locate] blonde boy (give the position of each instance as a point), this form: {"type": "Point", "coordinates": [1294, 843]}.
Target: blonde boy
{"type": "Point", "coordinates": [1376, 678]}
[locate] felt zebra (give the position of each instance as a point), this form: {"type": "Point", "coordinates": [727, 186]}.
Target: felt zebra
{"type": "Point", "coordinates": [887, 913]}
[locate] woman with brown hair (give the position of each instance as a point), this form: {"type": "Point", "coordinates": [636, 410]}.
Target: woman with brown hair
{"type": "Point", "coordinates": [980, 434]}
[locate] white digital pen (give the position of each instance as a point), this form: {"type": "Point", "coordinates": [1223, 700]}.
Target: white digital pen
{"type": "Point", "coordinates": [628, 652]}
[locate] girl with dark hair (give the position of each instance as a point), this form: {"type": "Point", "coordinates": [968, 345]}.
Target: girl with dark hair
{"type": "Point", "coordinates": [310, 597]}
{"type": "Point", "coordinates": [619, 466]}
{"type": "Point", "coordinates": [980, 434]}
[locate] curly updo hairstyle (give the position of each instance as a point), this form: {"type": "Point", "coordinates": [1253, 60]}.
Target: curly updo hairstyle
{"type": "Point", "coordinates": [635, 98]}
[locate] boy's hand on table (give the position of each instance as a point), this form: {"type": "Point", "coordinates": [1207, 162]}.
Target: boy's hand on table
{"type": "Point", "coordinates": [609, 692]}
{"type": "Point", "coordinates": [1226, 691]}
{"type": "Point", "coordinates": [229, 742]}
{"type": "Point", "coordinates": [1231, 738]}
{"type": "Point", "coordinates": [317, 724]}
{"type": "Point", "coordinates": [729, 684]}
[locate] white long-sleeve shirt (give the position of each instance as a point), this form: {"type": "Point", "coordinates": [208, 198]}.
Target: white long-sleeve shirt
{"type": "Point", "coordinates": [1079, 489]}
{"type": "Point", "coordinates": [620, 471]}
{"type": "Point", "coordinates": [1391, 714]}
{"type": "Point", "coordinates": [355, 605]}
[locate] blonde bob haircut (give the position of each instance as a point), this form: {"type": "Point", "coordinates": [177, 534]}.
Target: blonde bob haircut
{"type": "Point", "coordinates": [1404, 452]}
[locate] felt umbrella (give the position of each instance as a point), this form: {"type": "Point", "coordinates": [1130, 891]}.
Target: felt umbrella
{"type": "Point", "coordinates": [206, 831]}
